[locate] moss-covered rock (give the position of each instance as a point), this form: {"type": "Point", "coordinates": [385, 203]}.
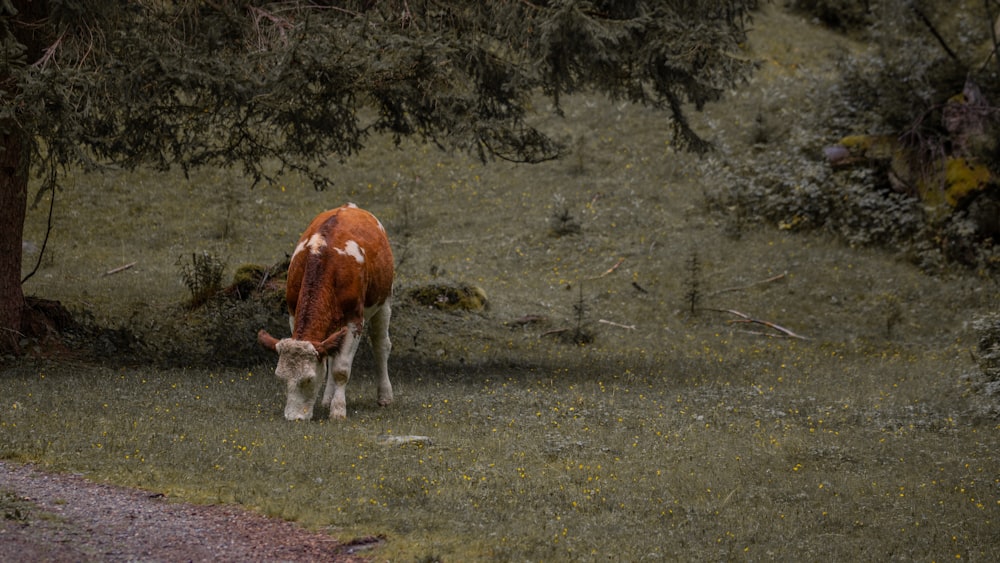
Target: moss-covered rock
{"type": "Point", "coordinates": [448, 296]}
{"type": "Point", "coordinates": [266, 283]}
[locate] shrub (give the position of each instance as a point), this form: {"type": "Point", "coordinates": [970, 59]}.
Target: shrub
{"type": "Point", "coordinates": [902, 89]}
{"type": "Point", "coordinates": [986, 383]}
{"type": "Point", "coordinates": [988, 333]}
{"type": "Point", "coordinates": [218, 326]}
{"type": "Point", "coordinates": [203, 277]}
{"type": "Point", "coordinates": [838, 14]}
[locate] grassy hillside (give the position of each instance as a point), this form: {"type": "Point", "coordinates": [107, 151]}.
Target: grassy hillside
{"type": "Point", "coordinates": [676, 432]}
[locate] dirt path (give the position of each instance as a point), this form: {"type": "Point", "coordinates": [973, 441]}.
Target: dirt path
{"type": "Point", "coordinates": [53, 517]}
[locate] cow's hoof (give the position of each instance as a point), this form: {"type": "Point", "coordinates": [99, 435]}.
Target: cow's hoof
{"type": "Point", "coordinates": [303, 415]}
{"type": "Point", "coordinates": [384, 402]}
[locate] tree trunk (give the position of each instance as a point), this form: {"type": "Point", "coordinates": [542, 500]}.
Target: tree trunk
{"type": "Point", "coordinates": [15, 156]}
{"type": "Point", "coordinates": [13, 204]}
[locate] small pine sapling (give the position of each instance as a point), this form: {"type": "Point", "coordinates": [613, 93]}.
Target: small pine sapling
{"type": "Point", "coordinates": [693, 295]}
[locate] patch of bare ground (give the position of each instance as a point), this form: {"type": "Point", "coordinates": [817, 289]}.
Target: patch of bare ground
{"type": "Point", "coordinates": [53, 517]}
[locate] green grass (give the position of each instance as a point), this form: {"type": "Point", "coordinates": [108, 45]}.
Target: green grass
{"type": "Point", "coordinates": [710, 454]}
{"type": "Point", "coordinates": [671, 436]}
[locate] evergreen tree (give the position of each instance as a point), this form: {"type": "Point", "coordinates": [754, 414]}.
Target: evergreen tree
{"type": "Point", "coordinates": [92, 83]}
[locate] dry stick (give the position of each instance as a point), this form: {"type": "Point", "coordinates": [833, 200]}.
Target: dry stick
{"type": "Point", "coordinates": [993, 36]}
{"type": "Point", "coordinates": [609, 270]}
{"type": "Point", "coordinates": [119, 269]}
{"type": "Point", "coordinates": [612, 323]}
{"type": "Point", "coordinates": [527, 319]}
{"type": "Point", "coordinates": [553, 331]}
{"type": "Point", "coordinates": [754, 284]}
{"type": "Point", "coordinates": [744, 318]}
{"type": "Point", "coordinates": [48, 226]}
{"type": "Point", "coordinates": [930, 27]}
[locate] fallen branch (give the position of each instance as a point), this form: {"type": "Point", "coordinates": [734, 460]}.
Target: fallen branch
{"type": "Point", "coordinates": [404, 440]}
{"type": "Point", "coordinates": [612, 323]}
{"type": "Point", "coordinates": [526, 320]}
{"type": "Point", "coordinates": [744, 318]}
{"type": "Point", "coordinates": [553, 331]}
{"type": "Point", "coordinates": [754, 284]}
{"type": "Point", "coordinates": [609, 270]}
{"type": "Point", "coordinates": [119, 269]}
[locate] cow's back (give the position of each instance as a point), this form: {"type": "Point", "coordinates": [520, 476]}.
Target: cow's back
{"type": "Point", "coordinates": [342, 262]}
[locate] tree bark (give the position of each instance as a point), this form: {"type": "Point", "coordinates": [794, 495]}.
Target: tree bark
{"type": "Point", "coordinates": [15, 157]}
{"type": "Point", "coordinates": [13, 204]}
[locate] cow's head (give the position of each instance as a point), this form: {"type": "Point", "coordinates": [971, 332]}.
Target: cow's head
{"type": "Point", "coordinates": [300, 366]}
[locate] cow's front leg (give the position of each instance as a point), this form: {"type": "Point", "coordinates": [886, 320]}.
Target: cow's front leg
{"type": "Point", "coordinates": [335, 396]}
{"type": "Point", "coordinates": [339, 373]}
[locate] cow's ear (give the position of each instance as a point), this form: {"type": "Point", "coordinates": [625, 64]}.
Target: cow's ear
{"type": "Point", "coordinates": [266, 340]}
{"type": "Point", "coordinates": [332, 343]}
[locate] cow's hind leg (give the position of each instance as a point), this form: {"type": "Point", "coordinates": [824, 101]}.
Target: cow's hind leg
{"type": "Point", "coordinates": [378, 331]}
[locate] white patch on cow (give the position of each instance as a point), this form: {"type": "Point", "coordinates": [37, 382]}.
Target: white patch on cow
{"type": "Point", "coordinates": [299, 248]}
{"type": "Point", "coordinates": [380, 227]}
{"type": "Point", "coordinates": [352, 205]}
{"type": "Point", "coordinates": [353, 250]}
{"type": "Point", "coordinates": [316, 243]}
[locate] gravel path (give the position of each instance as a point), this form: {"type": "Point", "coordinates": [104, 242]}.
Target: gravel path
{"type": "Point", "coordinates": [55, 517]}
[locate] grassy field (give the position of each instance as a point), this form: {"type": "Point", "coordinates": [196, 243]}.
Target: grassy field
{"type": "Point", "coordinates": [673, 435]}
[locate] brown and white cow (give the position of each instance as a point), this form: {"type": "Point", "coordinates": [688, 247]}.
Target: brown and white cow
{"type": "Point", "coordinates": [339, 278]}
